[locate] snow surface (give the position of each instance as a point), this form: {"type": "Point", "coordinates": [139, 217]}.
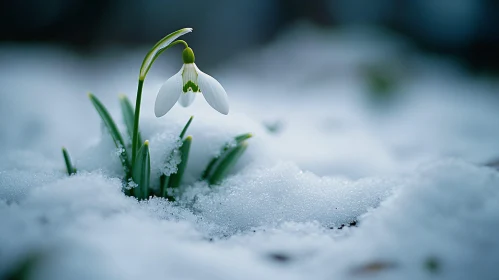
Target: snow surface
{"type": "Point", "coordinates": [407, 171]}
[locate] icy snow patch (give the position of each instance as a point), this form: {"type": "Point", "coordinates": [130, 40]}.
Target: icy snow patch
{"type": "Point", "coordinates": [85, 221]}
{"type": "Point", "coordinates": [16, 184]}
{"type": "Point", "coordinates": [448, 212]}
{"type": "Point", "coordinates": [269, 196]}
{"type": "Point", "coordinates": [101, 155]}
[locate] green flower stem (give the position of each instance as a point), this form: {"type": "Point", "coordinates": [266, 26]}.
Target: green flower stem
{"type": "Point", "coordinates": [158, 48]}
{"type": "Point", "coordinates": [173, 44]}
{"type": "Point", "coordinates": [128, 116]}
{"type": "Point", "coordinates": [135, 140]}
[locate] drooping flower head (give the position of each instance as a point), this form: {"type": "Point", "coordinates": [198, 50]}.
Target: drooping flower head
{"type": "Point", "coordinates": [189, 81]}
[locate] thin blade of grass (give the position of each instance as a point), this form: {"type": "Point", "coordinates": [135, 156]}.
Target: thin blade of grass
{"type": "Point", "coordinates": [142, 172]}
{"type": "Point", "coordinates": [227, 163]}
{"type": "Point", "coordinates": [176, 178]}
{"type": "Point", "coordinates": [128, 115]}
{"type": "Point", "coordinates": [216, 160]}
{"type": "Point", "coordinates": [67, 159]}
{"type": "Point", "coordinates": [113, 130]}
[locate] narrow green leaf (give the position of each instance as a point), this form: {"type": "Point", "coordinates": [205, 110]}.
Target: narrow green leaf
{"type": "Point", "coordinates": [227, 163]}
{"type": "Point", "coordinates": [242, 137]}
{"type": "Point", "coordinates": [67, 159]}
{"type": "Point", "coordinates": [128, 115]}
{"type": "Point", "coordinates": [113, 130]}
{"type": "Point", "coordinates": [142, 172]}
{"type": "Point", "coordinates": [157, 49]}
{"type": "Point", "coordinates": [181, 136]}
{"type": "Point", "coordinates": [163, 185]}
{"type": "Point", "coordinates": [176, 178]}
{"type": "Point", "coordinates": [216, 160]}
{"type": "Point", "coordinates": [164, 180]}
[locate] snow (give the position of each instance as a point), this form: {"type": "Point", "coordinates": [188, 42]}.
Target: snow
{"type": "Point", "coordinates": [270, 196]}
{"type": "Point", "coordinates": [409, 171]}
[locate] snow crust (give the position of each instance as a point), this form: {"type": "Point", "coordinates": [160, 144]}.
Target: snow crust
{"type": "Point", "coordinates": [343, 185]}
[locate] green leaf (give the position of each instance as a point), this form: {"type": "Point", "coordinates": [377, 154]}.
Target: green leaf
{"type": "Point", "coordinates": [181, 136]}
{"type": "Point", "coordinates": [128, 115]}
{"type": "Point", "coordinates": [163, 185]}
{"type": "Point", "coordinates": [227, 163]}
{"type": "Point", "coordinates": [158, 49]}
{"type": "Point", "coordinates": [216, 160]}
{"type": "Point", "coordinates": [164, 180]}
{"type": "Point", "coordinates": [242, 137]}
{"type": "Point", "coordinates": [67, 159]}
{"type": "Point", "coordinates": [113, 130]}
{"type": "Point", "coordinates": [142, 172]}
{"type": "Point", "coordinates": [176, 178]}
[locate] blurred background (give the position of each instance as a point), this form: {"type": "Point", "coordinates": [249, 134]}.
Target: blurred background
{"type": "Point", "coordinates": [466, 30]}
{"type": "Point", "coordinates": [369, 87]}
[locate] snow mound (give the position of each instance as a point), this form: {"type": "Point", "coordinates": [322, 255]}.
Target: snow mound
{"type": "Point", "coordinates": [442, 221]}
{"type": "Point", "coordinates": [284, 193]}
{"type": "Point", "coordinates": [85, 221]}
{"type": "Point", "coordinates": [16, 184]}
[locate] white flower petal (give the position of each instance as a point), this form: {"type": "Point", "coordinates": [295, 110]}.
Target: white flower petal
{"type": "Point", "coordinates": [213, 92]}
{"type": "Point", "coordinates": [187, 98]}
{"type": "Point", "coordinates": [168, 94]}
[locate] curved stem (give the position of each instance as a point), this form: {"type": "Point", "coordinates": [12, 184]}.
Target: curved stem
{"type": "Point", "coordinates": [135, 140]}
{"type": "Point", "coordinates": [179, 42]}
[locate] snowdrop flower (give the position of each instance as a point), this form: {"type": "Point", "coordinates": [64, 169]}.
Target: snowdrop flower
{"type": "Point", "coordinates": [184, 86]}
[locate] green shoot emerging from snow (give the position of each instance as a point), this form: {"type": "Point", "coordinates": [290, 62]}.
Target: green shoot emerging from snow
{"type": "Point", "coordinates": [180, 88]}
